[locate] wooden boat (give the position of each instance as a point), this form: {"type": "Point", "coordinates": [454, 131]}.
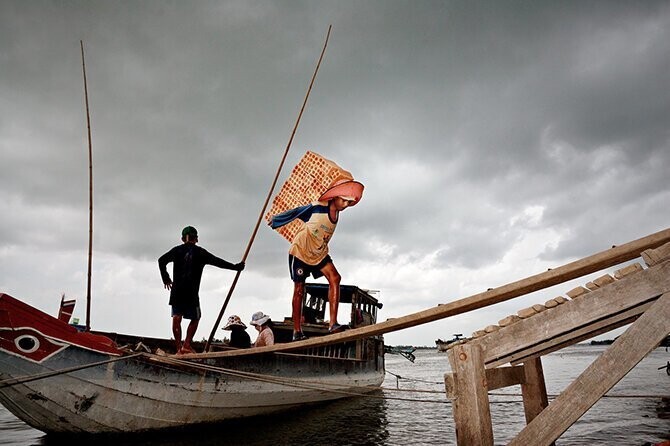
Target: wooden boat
{"type": "Point", "coordinates": [59, 379]}
{"type": "Point", "coordinates": [443, 346]}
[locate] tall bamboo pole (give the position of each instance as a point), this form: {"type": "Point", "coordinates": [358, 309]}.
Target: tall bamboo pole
{"type": "Point", "coordinates": [267, 199]}
{"type": "Point", "coordinates": [90, 194]}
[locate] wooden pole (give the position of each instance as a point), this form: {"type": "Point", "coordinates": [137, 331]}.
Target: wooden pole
{"type": "Point", "coordinates": [267, 199]}
{"type": "Point", "coordinates": [90, 195]}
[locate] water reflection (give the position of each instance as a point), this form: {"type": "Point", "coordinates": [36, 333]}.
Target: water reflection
{"type": "Point", "coordinates": [353, 421]}
{"type": "Point", "coordinates": [406, 417]}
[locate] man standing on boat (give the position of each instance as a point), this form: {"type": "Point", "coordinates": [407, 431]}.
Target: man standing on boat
{"type": "Point", "coordinates": [188, 261]}
{"type": "Point", "coordinates": [308, 253]}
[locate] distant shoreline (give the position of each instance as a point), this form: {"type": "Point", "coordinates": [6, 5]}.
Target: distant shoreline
{"type": "Point", "coordinates": [664, 343]}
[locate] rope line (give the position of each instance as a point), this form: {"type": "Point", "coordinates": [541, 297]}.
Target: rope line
{"type": "Point", "coordinates": [342, 389]}
{"type": "Point", "coordinates": [604, 396]}
{"type": "Point", "coordinates": [398, 377]}
{"type": "Point", "coordinates": [414, 379]}
{"type": "Point", "coordinates": [14, 381]}
{"type": "Point", "coordinates": [303, 384]}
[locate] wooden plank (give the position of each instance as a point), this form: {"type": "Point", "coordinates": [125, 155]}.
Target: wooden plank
{"type": "Point", "coordinates": [496, 378]}
{"type": "Point", "coordinates": [509, 320]}
{"type": "Point", "coordinates": [551, 303]}
{"type": "Point", "coordinates": [573, 337]}
{"type": "Point", "coordinates": [533, 389]}
{"type": "Point", "coordinates": [501, 377]}
{"type": "Point", "coordinates": [449, 385]}
{"type": "Point", "coordinates": [577, 292]}
{"type": "Point", "coordinates": [603, 280]}
{"type": "Point", "coordinates": [472, 415]}
{"type": "Point", "coordinates": [525, 313]}
{"type": "Point", "coordinates": [607, 370]}
{"type": "Point", "coordinates": [627, 270]}
{"type": "Point", "coordinates": [604, 302]}
{"type": "Point", "coordinates": [573, 270]}
{"type": "Point", "coordinates": [655, 256]}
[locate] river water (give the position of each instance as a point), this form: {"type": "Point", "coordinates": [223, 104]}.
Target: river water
{"type": "Point", "coordinates": [399, 415]}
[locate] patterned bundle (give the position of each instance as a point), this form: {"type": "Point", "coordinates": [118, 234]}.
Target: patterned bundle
{"type": "Point", "coordinates": [310, 178]}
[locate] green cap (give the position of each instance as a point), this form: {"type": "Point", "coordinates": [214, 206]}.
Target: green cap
{"type": "Point", "coordinates": [189, 230]}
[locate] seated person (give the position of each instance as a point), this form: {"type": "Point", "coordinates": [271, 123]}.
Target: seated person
{"type": "Point", "coordinates": [263, 324]}
{"type": "Point", "coordinates": [239, 338]}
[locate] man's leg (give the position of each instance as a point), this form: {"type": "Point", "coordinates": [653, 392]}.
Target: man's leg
{"type": "Point", "coordinates": [333, 277]}
{"type": "Point", "coordinates": [190, 333]}
{"type": "Point", "coordinates": [298, 293]}
{"type": "Point", "coordinates": [176, 331]}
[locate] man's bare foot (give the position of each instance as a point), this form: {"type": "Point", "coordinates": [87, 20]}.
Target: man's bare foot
{"type": "Point", "coordinates": [185, 351]}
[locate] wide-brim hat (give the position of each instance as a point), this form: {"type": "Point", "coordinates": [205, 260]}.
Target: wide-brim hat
{"type": "Point", "coordinates": [234, 321]}
{"type": "Point", "coordinates": [259, 318]}
{"type": "Point", "coordinates": [349, 190]}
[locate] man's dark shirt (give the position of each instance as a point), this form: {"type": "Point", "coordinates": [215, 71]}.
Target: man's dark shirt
{"type": "Point", "coordinates": [188, 262]}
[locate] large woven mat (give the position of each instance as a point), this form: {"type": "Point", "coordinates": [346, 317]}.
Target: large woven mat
{"type": "Point", "coordinates": [310, 178]}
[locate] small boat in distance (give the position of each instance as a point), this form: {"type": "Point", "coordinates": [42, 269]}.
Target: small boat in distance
{"type": "Point", "coordinates": [59, 379]}
{"type": "Point", "coordinates": [443, 346]}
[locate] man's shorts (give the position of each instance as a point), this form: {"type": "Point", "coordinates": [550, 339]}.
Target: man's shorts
{"type": "Point", "coordinates": [186, 311]}
{"type": "Point", "coordinates": [300, 270]}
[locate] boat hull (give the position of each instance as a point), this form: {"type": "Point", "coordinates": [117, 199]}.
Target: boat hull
{"type": "Point", "coordinates": [148, 392]}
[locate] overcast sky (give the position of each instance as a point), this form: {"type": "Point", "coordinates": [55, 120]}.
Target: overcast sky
{"type": "Point", "coordinates": [495, 139]}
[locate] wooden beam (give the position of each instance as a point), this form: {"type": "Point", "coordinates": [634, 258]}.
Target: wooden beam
{"type": "Point", "coordinates": [496, 378]}
{"type": "Point", "coordinates": [533, 389]}
{"type": "Point", "coordinates": [571, 338]}
{"type": "Point", "coordinates": [607, 370]}
{"type": "Point", "coordinates": [612, 299]}
{"type": "Point", "coordinates": [472, 414]}
{"type": "Point", "coordinates": [573, 270]}
{"type": "Point", "coordinates": [654, 256]}
{"type": "Point", "coordinates": [501, 377]}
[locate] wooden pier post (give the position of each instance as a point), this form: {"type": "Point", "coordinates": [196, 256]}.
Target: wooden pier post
{"type": "Point", "coordinates": [628, 349]}
{"type": "Point", "coordinates": [634, 295]}
{"type": "Point", "coordinates": [533, 389]}
{"type": "Point", "coordinates": [470, 405]}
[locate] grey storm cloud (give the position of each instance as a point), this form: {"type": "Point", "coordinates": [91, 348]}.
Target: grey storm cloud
{"type": "Point", "coordinates": [472, 124]}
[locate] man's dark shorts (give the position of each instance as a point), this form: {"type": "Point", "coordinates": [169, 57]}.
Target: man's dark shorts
{"type": "Point", "coordinates": [300, 270]}
{"type": "Point", "coordinates": [186, 311]}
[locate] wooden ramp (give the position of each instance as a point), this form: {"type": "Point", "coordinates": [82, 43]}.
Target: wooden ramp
{"type": "Point", "coordinates": [633, 295]}
{"type": "Point", "coordinates": [591, 264]}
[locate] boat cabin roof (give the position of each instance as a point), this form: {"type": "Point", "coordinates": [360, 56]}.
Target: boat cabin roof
{"type": "Point", "coordinates": [348, 294]}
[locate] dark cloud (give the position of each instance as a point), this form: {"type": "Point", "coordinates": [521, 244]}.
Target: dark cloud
{"type": "Point", "coordinates": [476, 127]}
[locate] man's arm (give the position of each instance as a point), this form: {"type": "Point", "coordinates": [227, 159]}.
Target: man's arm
{"type": "Point", "coordinates": [162, 267]}
{"type": "Point", "coordinates": [211, 259]}
{"type": "Point", "coordinates": [286, 217]}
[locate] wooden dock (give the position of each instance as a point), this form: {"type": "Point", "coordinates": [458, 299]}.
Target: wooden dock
{"type": "Point", "coordinates": [509, 353]}
{"type": "Point", "coordinates": [588, 265]}
{"type": "Point", "coordinates": [633, 295]}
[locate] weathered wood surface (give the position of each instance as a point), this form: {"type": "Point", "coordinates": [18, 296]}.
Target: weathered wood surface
{"type": "Point", "coordinates": [654, 256]}
{"type": "Point", "coordinates": [573, 337]}
{"type": "Point", "coordinates": [496, 378]}
{"type": "Point", "coordinates": [533, 389]}
{"type": "Point", "coordinates": [608, 369]}
{"type": "Point", "coordinates": [472, 414]}
{"type": "Point", "coordinates": [573, 318]}
{"type": "Point", "coordinates": [469, 392]}
{"type": "Point", "coordinates": [573, 270]}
